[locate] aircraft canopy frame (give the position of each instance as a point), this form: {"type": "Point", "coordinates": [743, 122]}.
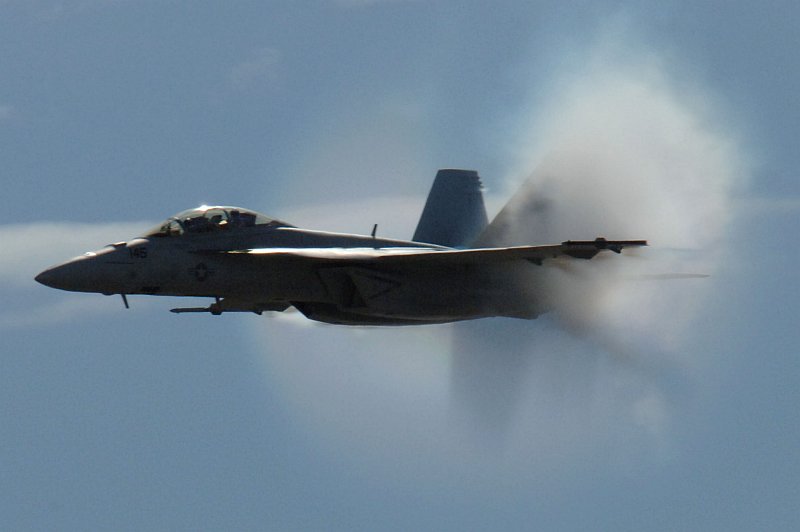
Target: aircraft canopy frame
{"type": "Point", "coordinates": [211, 219]}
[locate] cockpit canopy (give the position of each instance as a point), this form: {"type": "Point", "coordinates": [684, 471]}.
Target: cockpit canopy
{"type": "Point", "coordinates": [207, 219]}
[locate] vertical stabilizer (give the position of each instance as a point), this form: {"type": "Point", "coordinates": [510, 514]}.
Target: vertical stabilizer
{"type": "Point", "coordinates": [454, 214]}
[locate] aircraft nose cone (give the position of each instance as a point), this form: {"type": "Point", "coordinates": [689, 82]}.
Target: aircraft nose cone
{"type": "Point", "coordinates": [52, 277]}
{"type": "Point", "coordinates": [43, 278]}
{"type": "Point", "coordinates": [80, 274]}
{"type": "Point", "coordinates": [104, 272]}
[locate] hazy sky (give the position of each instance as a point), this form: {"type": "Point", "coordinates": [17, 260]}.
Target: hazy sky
{"type": "Point", "coordinates": [636, 406]}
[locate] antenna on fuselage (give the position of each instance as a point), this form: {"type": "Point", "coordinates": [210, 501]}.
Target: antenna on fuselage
{"type": "Point", "coordinates": [374, 230]}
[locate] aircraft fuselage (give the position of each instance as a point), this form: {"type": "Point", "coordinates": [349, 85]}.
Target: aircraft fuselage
{"type": "Point", "coordinates": [192, 265]}
{"type": "Point", "coordinates": [249, 262]}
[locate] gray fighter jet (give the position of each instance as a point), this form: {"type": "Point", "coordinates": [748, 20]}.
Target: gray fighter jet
{"type": "Point", "coordinates": [249, 262]}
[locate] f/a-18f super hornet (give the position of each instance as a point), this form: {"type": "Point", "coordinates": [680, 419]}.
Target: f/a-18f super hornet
{"type": "Point", "coordinates": [248, 262]}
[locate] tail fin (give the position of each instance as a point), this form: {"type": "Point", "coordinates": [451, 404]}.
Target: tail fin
{"type": "Point", "coordinates": [454, 214]}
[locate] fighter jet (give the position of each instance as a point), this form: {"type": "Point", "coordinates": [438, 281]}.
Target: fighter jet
{"type": "Point", "coordinates": [249, 262]}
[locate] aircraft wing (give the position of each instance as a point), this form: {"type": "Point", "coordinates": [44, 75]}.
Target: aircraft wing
{"type": "Point", "coordinates": [581, 249]}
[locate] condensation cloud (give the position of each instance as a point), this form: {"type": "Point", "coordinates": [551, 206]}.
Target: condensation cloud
{"type": "Point", "coordinates": [622, 148]}
{"type": "Point", "coordinates": [627, 151]}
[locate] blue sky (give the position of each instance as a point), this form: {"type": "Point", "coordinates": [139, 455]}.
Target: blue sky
{"type": "Point", "coordinates": [655, 407]}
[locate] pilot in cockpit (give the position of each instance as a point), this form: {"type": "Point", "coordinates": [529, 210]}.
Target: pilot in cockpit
{"type": "Point", "coordinates": [211, 219]}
